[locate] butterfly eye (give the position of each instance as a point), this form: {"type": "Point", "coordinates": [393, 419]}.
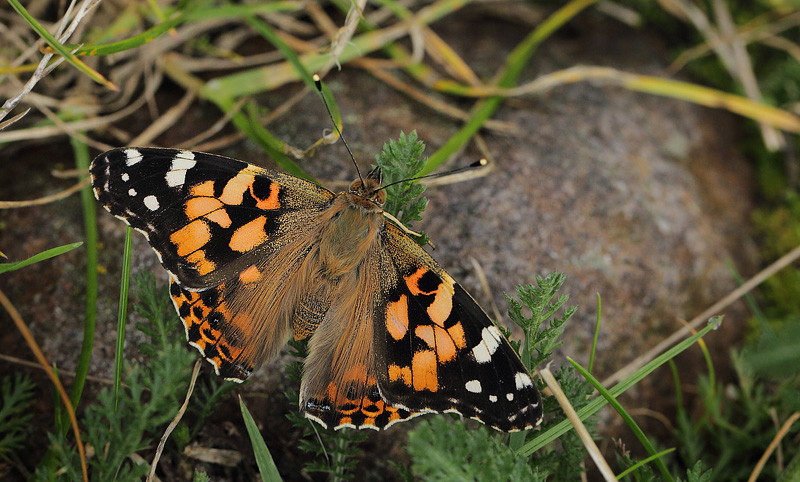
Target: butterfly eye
{"type": "Point", "coordinates": [356, 186]}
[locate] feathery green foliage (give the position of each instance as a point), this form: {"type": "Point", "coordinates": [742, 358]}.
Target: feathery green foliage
{"type": "Point", "coordinates": [443, 450]}
{"type": "Point", "coordinates": [17, 395]}
{"type": "Point", "coordinates": [399, 160]}
{"type": "Point", "coordinates": [150, 400]}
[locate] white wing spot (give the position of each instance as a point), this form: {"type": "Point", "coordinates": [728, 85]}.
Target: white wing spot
{"type": "Point", "coordinates": [151, 202]}
{"type": "Point", "coordinates": [510, 397]}
{"type": "Point", "coordinates": [490, 341]}
{"type": "Point", "coordinates": [473, 386]}
{"type": "Point", "coordinates": [132, 156]}
{"type": "Point", "coordinates": [131, 192]}
{"type": "Point", "coordinates": [186, 155]}
{"type": "Point", "coordinates": [492, 398]}
{"type": "Point", "coordinates": [183, 161]}
{"type": "Point", "coordinates": [125, 177]}
{"type": "Point", "coordinates": [522, 380]}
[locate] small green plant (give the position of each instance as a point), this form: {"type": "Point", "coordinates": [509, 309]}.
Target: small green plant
{"type": "Point", "coordinates": [150, 399]}
{"type": "Point", "coordinates": [15, 402]}
{"type": "Point", "coordinates": [399, 160]}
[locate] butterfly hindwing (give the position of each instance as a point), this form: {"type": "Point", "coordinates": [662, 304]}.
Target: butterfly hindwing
{"type": "Point", "coordinates": [438, 351]}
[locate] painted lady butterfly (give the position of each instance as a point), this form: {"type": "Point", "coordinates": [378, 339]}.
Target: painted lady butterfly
{"type": "Point", "coordinates": [256, 256]}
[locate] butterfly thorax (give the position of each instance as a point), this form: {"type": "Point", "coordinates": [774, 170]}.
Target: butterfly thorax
{"type": "Point", "coordinates": [352, 227]}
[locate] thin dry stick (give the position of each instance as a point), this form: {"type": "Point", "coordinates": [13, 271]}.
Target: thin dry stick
{"type": "Point", "coordinates": [47, 199]}
{"type": "Point", "coordinates": [167, 120]}
{"type": "Point", "coordinates": [86, 124]}
{"type": "Point", "coordinates": [775, 441]}
{"type": "Point", "coordinates": [42, 70]}
{"type": "Point", "coordinates": [485, 286]}
{"type": "Point", "coordinates": [703, 317]}
{"type": "Point", "coordinates": [743, 71]}
{"type": "Point", "coordinates": [580, 429]}
{"type": "Point", "coordinates": [374, 67]}
{"type": "Point", "coordinates": [194, 141]}
{"type": "Point", "coordinates": [61, 371]}
{"type": "Point", "coordinates": [31, 341]}
{"type": "Point", "coordinates": [14, 119]}
{"type": "Point", "coordinates": [343, 35]}
{"type": "Point", "coordinates": [174, 422]}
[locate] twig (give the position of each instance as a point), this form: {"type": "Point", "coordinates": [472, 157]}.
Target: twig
{"type": "Point", "coordinates": [775, 441]}
{"type": "Point", "coordinates": [174, 422]}
{"type": "Point", "coordinates": [580, 429]}
{"type": "Point", "coordinates": [46, 199]}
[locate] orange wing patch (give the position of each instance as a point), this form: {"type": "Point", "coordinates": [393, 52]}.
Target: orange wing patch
{"type": "Point", "coordinates": [205, 325]}
{"type": "Point", "coordinates": [249, 236]}
{"type": "Point", "coordinates": [397, 318]}
{"type": "Point", "coordinates": [443, 293]}
{"type": "Point", "coordinates": [423, 371]}
{"type": "Point", "coordinates": [191, 237]}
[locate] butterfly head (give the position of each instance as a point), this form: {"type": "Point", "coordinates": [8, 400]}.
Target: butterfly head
{"type": "Point", "coordinates": [370, 187]}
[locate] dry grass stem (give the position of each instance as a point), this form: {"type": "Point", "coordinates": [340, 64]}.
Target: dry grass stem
{"type": "Point", "coordinates": [775, 442]}
{"type": "Point", "coordinates": [47, 199]}
{"type": "Point", "coordinates": [703, 317]}
{"type": "Point", "coordinates": [37, 352]}
{"type": "Point", "coordinates": [487, 292]}
{"type": "Point", "coordinates": [374, 67]}
{"type": "Point", "coordinates": [580, 429]}
{"type": "Point", "coordinates": [175, 421]}
{"type": "Point", "coordinates": [165, 121]}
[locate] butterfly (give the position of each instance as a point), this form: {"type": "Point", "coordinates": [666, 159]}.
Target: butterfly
{"type": "Point", "coordinates": [256, 256]}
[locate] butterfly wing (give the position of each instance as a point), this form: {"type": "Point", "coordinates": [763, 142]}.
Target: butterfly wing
{"type": "Point", "coordinates": [436, 350]}
{"type": "Point", "coordinates": [339, 387]}
{"type": "Point", "coordinates": [230, 234]}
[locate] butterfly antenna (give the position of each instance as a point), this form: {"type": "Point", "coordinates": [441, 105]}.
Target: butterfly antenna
{"type": "Point", "coordinates": [474, 165]}
{"type": "Point", "coordinates": [318, 84]}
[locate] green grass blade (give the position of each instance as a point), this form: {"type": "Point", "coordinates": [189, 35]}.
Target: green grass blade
{"type": "Point", "coordinates": [132, 42]}
{"type": "Point", "coordinates": [596, 333]}
{"type": "Point", "coordinates": [645, 461]}
{"type": "Point", "coordinates": [266, 466]}
{"type": "Point", "coordinates": [192, 14]}
{"type": "Point", "coordinates": [595, 405]}
{"type": "Point", "coordinates": [290, 55]}
{"type": "Point", "coordinates": [50, 253]}
{"type": "Point", "coordinates": [514, 64]}
{"type": "Point", "coordinates": [123, 313]}
{"type": "Point", "coordinates": [58, 47]}
{"type": "Point", "coordinates": [625, 416]}
{"type": "Point", "coordinates": [89, 209]}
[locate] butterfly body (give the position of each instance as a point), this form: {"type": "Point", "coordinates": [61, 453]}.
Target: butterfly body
{"type": "Point", "coordinates": [256, 257]}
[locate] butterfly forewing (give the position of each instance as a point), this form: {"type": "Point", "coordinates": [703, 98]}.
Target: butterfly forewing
{"type": "Point", "coordinates": [201, 213]}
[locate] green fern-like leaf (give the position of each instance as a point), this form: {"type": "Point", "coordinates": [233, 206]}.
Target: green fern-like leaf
{"type": "Point", "coordinates": [17, 394]}
{"type": "Point", "coordinates": [446, 451]}
{"type": "Point", "coordinates": [540, 342]}
{"type": "Point", "coordinates": [399, 160]}
{"type": "Point", "coordinates": [698, 473]}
